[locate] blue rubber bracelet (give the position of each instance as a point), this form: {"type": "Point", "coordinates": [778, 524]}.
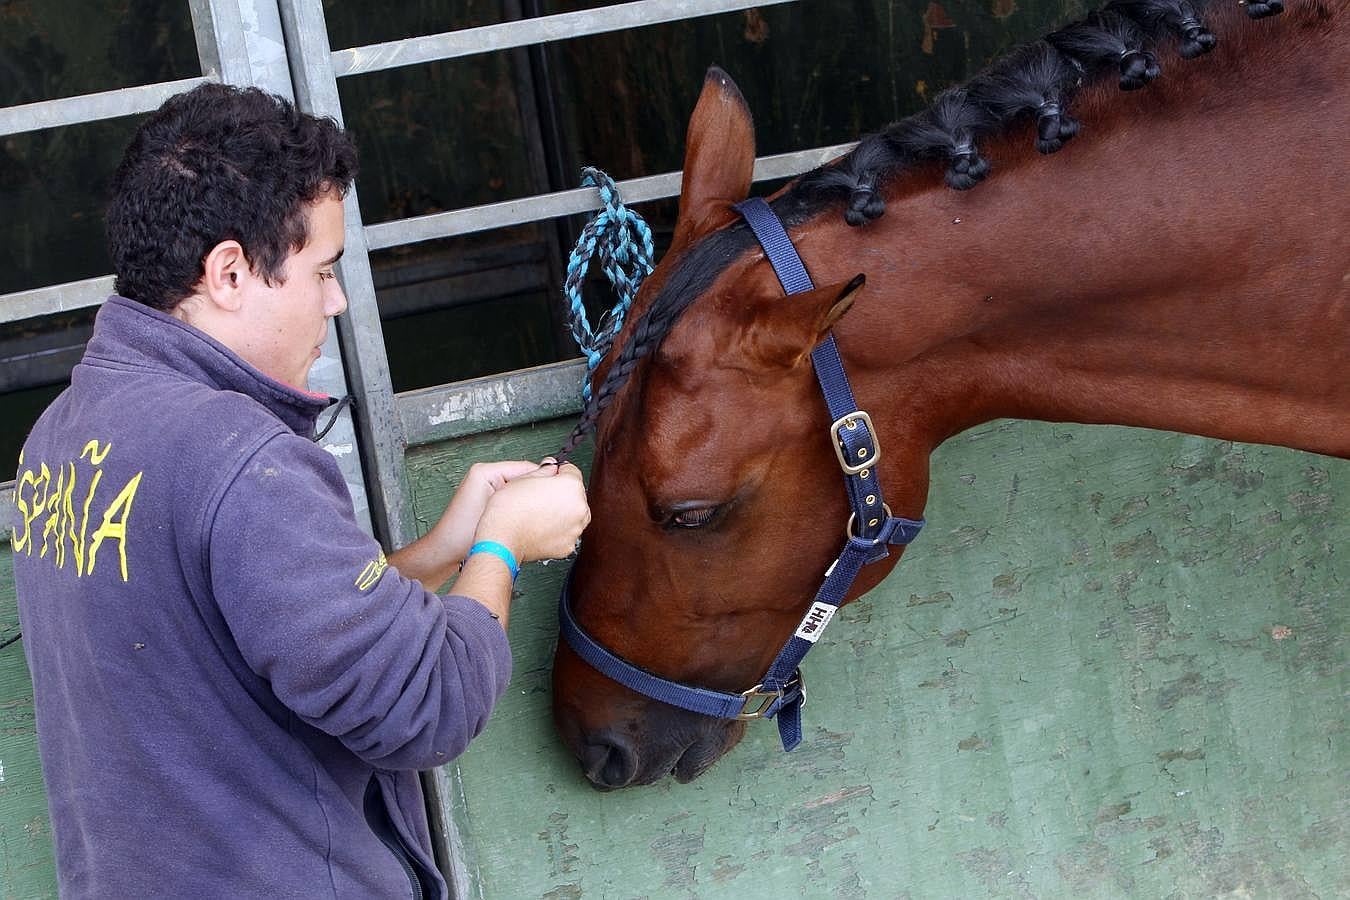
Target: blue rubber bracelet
{"type": "Point", "coordinates": [501, 551]}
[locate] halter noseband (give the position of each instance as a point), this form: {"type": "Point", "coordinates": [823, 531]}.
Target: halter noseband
{"type": "Point", "coordinates": [871, 528]}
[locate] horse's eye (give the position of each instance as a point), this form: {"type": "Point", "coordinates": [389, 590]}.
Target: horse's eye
{"type": "Point", "coordinates": [693, 518]}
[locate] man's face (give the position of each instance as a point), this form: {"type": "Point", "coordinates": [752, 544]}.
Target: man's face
{"type": "Point", "coordinates": [287, 322]}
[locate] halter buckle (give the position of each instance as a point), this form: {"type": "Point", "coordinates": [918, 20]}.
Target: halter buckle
{"type": "Point", "coordinates": [851, 421]}
{"type": "Point", "coordinates": [760, 699]}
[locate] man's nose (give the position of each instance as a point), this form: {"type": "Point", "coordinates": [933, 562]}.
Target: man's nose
{"type": "Point", "coordinates": [337, 299]}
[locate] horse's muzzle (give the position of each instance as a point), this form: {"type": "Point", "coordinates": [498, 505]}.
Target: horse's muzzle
{"type": "Point", "coordinates": [623, 739]}
{"type": "Point", "coordinates": [609, 761]}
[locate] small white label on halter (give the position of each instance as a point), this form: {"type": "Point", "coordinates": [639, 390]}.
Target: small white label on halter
{"type": "Point", "coordinates": [815, 621]}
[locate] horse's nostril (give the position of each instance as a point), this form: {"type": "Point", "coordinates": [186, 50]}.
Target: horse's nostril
{"type": "Point", "coordinates": [609, 762]}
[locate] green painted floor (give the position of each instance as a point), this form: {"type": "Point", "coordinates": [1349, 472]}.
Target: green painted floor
{"type": "Point", "coordinates": [1113, 666]}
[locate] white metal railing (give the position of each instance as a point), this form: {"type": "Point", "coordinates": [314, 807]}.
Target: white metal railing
{"type": "Point", "coordinates": [526, 32]}
{"type": "Point", "coordinates": [577, 200]}
{"type": "Point", "coordinates": [91, 107]}
{"type": "Point", "coordinates": [377, 57]}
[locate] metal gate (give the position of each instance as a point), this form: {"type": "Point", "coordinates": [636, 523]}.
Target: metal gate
{"type": "Point", "coordinates": [283, 47]}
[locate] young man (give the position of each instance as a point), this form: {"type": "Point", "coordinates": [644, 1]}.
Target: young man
{"type": "Point", "coordinates": [235, 688]}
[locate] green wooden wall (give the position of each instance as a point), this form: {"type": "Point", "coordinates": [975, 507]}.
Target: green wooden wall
{"type": "Point", "coordinates": [1114, 665]}
{"type": "Point", "coordinates": [26, 867]}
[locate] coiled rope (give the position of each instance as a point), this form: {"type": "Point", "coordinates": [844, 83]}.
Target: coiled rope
{"type": "Point", "coordinates": [624, 244]}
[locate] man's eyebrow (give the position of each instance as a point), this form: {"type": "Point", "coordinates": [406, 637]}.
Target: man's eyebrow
{"type": "Point", "coordinates": [332, 260]}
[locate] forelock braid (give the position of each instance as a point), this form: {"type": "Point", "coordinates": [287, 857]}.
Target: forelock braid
{"type": "Point", "coordinates": [648, 332]}
{"type": "Point", "coordinates": [693, 273]}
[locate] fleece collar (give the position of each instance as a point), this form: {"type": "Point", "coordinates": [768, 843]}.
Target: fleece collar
{"type": "Point", "coordinates": [127, 333]}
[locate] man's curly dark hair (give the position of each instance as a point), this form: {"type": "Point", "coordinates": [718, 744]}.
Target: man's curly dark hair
{"type": "Point", "coordinates": [218, 163]}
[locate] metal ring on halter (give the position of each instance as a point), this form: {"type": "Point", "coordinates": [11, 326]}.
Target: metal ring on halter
{"type": "Point", "coordinates": [853, 517]}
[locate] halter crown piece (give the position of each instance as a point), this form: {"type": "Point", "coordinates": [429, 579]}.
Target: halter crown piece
{"type": "Point", "coordinates": [870, 530]}
{"type": "Point", "coordinates": [624, 243]}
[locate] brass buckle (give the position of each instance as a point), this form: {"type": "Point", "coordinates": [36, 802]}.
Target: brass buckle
{"type": "Point", "coordinates": [852, 518]}
{"type": "Point", "coordinates": [851, 421]}
{"type": "Point", "coordinates": [763, 700]}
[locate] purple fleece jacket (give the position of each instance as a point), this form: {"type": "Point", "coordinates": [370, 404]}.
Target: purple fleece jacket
{"type": "Point", "coordinates": [222, 661]}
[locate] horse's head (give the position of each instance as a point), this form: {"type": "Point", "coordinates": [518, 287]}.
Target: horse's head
{"type": "Point", "coordinates": [717, 495]}
{"type": "Point", "coordinates": [717, 490]}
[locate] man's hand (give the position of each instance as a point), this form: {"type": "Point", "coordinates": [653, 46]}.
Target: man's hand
{"type": "Point", "coordinates": [537, 510]}
{"type": "Point", "coordinates": [455, 530]}
{"type": "Point", "coordinates": [539, 514]}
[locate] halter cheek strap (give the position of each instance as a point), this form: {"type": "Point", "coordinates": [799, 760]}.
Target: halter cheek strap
{"type": "Point", "coordinates": [871, 529]}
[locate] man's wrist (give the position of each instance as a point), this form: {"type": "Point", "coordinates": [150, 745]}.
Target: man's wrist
{"type": "Point", "coordinates": [500, 551]}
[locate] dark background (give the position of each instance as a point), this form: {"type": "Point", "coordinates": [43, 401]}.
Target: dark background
{"type": "Point", "coordinates": [459, 133]}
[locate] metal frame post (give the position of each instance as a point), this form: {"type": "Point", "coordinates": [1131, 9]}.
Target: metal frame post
{"type": "Point", "coordinates": [306, 34]}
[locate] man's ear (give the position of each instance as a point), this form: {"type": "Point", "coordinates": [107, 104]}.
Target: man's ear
{"type": "Point", "coordinates": [719, 159]}
{"type": "Point", "coordinates": [225, 271]}
{"type": "Point", "coordinates": [784, 331]}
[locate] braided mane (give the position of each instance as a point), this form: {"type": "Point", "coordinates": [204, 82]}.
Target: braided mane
{"type": "Point", "coordinates": [1034, 83]}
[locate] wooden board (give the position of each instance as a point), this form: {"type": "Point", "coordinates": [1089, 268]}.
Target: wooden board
{"type": "Point", "coordinates": [27, 869]}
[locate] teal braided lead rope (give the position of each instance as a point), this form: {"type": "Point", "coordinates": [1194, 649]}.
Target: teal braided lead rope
{"type": "Point", "coordinates": [624, 243]}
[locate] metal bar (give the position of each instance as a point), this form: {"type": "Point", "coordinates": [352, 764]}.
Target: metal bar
{"type": "Point", "coordinates": [487, 404]}
{"type": "Point", "coordinates": [58, 298]}
{"type": "Point", "coordinates": [543, 136]}
{"type": "Point", "coordinates": [359, 331]}
{"type": "Point", "coordinates": [218, 37]}
{"type": "Point", "coordinates": [243, 42]}
{"type": "Point", "coordinates": [91, 107]}
{"type": "Point", "coordinates": [470, 41]}
{"type": "Point", "coordinates": [577, 200]}
{"type": "Point", "coordinates": [9, 515]}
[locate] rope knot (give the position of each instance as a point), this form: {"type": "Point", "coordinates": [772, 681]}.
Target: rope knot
{"type": "Point", "coordinates": [623, 242]}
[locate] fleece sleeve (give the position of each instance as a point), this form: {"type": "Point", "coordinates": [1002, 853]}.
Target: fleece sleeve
{"type": "Point", "coordinates": [403, 677]}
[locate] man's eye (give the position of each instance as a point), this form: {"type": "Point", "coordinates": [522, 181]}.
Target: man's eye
{"type": "Point", "coordinates": [693, 518]}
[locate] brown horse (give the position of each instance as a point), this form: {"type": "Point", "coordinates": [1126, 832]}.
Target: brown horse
{"type": "Point", "coordinates": [1182, 264]}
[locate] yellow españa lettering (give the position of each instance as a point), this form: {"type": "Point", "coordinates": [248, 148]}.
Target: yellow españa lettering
{"type": "Point", "coordinates": [53, 522]}
{"type": "Point", "coordinates": [372, 572]}
{"type": "Point", "coordinates": [37, 503]}
{"type": "Point", "coordinates": [21, 541]}
{"type": "Point", "coordinates": [63, 532]}
{"type": "Point", "coordinates": [117, 530]}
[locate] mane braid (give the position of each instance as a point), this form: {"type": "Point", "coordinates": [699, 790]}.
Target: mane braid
{"type": "Point", "coordinates": [1034, 81]}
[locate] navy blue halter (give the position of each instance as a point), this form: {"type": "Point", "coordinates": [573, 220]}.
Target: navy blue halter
{"type": "Point", "coordinates": [871, 529]}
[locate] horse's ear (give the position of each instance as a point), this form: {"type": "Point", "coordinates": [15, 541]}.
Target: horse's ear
{"type": "Point", "coordinates": [784, 331]}
{"type": "Point", "coordinates": [719, 159]}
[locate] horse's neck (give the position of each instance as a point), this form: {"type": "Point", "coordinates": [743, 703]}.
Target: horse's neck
{"type": "Point", "coordinates": [1182, 268]}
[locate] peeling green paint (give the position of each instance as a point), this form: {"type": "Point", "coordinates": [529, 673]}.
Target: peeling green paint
{"type": "Point", "coordinates": [1114, 665]}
